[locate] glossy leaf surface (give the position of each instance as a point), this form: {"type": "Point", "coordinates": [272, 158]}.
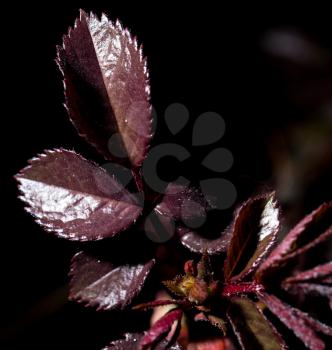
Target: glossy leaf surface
{"type": "Point", "coordinates": [106, 87]}
{"type": "Point", "coordinates": [74, 198]}
{"type": "Point", "coordinates": [255, 230]}
{"type": "Point", "coordinates": [197, 243]}
{"type": "Point", "coordinates": [100, 284]}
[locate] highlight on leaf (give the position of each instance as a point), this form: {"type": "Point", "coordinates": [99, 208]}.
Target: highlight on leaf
{"type": "Point", "coordinates": [100, 284]}
{"type": "Point", "coordinates": [74, 198]}
{"type": "Point", "coordinates": [199, 244]}
{"type": "Point", "coordinates": [107, 95]}
{"type": "Point", "coordinates": [254, 231]}
{"type": "Point", "coordinates": [312, 230]}
{"type": "Point", "coordinates": [106, 87]}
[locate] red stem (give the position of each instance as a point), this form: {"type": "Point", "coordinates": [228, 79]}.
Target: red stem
{"type": "Point", "coordinates": [242, 287]}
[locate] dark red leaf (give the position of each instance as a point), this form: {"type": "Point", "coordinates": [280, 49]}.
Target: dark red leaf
{"type": "Point", "coordinates": [314, 324]}
{"type": "Point", "coordinates": [159, 228]}
{"type": "Point", "coordinates": [160, 328]}
{"type": "Point", "coordinates": [131, 341]}
{"type": "Point", "coordinates": [313, 229]}
{"type": "Point", "coordinates": [106, 87]}
{"type": "Point", "coordinates": [100, 284]}
{"type": "Point", "coordinates": [255, 230]}
{"type": "Point", "coordinates": [315, 274]}
{"type": "Point", "coordinates": [314, 281]}
{"type": "Point", "coordinates": [327, 235]}
{"type": "Point", "coordinates": [300, 323]}
{"type": "Point", "coordinates": [251, 327]}
{"type": "Point", "coordinates": [182, 202]}
{"type": "Point", "coordinates": [74, 198]}
{"type": "Point", "coordinates": [197, 243]}
{"type": "Point", "coordinates": [309, 289]}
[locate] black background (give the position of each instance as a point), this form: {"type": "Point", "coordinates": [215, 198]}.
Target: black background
{"type": "Point", "coordinates": [207, 58]}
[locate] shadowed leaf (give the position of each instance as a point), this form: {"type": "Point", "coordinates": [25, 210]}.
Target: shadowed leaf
{"type": "Point", "coordinates": [131, 341]}
{"type": "Point", "coordinates": [300, 289]}
{"type": "Point", "coordinates": [102, 285]}
{"type": "Point", "coordinates": [313, 229]}
{"type": "Point", "coordinates": [303, 326]}
{"type": "Point", "coordinates": [182, 202]}
{"type": "Point", "coordinates": [255, 230]}
{"type": "Point", "coordinates": [251, 327]}
{"type": "Point", "coordinates": [314, 282]}
{"type": "Point", "coordinates": [74, 198]}
{"type": "Point", "coordinates": [106, 87]}
{"type": "Point", "coordinates": [160, 328]}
